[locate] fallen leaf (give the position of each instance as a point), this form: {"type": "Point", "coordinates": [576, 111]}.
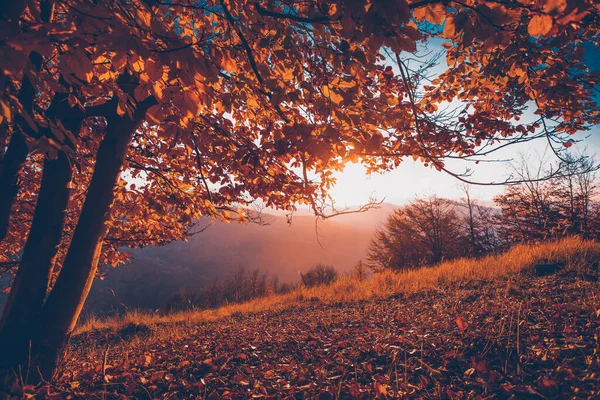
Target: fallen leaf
{"type": "Point", "coordinates": [462, 324]}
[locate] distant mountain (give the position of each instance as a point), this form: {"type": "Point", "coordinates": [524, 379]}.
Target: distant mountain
{"type": "Point", "coordinates": [281, 249]}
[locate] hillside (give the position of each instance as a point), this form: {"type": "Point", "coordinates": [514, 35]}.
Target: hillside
{"type": "Point", "coordinates": [519, 325]}
{"type": "Point", "coordinates": [280, 249]}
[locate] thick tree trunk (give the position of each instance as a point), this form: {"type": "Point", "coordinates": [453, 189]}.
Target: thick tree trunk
{"type": "Point", "coordinates": [29, 286]}
{"type": "Point", "coordinates": [17, 151]}
{"type": "Point", "coordinates": [64, 303]}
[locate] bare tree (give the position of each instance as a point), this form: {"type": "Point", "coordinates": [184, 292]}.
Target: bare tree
{"type": "Point", "coordinates": [563, 205]}
{"type": "Point", "coordinates": [574, 192]}
{"type": "Point", "coordinates": [359, 271]}
{"type": "Point", "coordinates": [480, 225]}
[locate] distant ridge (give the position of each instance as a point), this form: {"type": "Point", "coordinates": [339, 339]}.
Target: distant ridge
{"type": "Point", "coordinates": [281, 249]}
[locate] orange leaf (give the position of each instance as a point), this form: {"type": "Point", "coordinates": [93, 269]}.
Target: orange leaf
{"type": "Point", "coordinates": [551, 6]}
{"type": "Point", "coordinates": [140, 93]}
{"type": "Point", "coordinates": [228, 63]}
{"type": "Point", "coordinates": [450, 27]}
{"type": "Point", "coordinates": [192, 101]}
{"type": "Point", "coordinates": [157, 376]}
{"type": "Point", "coordinates": [539, 25]}
{"type": "Point", "coordinates": [548, 382]}
{"type": "Point", "coordinates": [434, 13]}
{"type": "Point", "coordinates": [462, 324]}
{"type": "Point", "coordinates": [379, 389]}
{"type": "Point", "coordinates": [154, 70]}
{"type": "Point", "coordinates": [121, 108]}
{"type": "Point", "coordinates": [143, 16]}
{"type": "Point", "coordinates": [333, 96]}
{"type": "Point", "coordinates": [119, 61]}
{"type": "Point", "coordinates": [269, 374]}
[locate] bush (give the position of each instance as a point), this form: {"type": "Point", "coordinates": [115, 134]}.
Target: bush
{"type": "Point", "coordinates": [319, 275]}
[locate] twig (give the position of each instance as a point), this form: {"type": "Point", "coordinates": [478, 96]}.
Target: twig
{"type": "Point", "coordinates": [104, 361]}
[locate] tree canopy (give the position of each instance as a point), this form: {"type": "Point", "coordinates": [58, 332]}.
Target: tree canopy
{"type": "Point", "coordinates": [239, 96]}
{"type": "Point", "coordinates": [209, 105]}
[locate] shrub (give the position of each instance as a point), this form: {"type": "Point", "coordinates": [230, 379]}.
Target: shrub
{"type": "Point", "coordinates": [319, 275]}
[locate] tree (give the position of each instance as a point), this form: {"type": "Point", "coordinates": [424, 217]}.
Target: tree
{"type": "Point", "coordinates": [238, 287]}
{"type": "Point", "coordinates": [537, 210]}
{"type": "Point", "coordinates": [122, 122]}
{"type": "Point", "coordinates": [480, 226]}
{"type": "Point", "coordinates": [528, 213]}
{"type": "Point", "coordinates": [424, 232]}
{"type": "Point", "coordinates": [575, 193]}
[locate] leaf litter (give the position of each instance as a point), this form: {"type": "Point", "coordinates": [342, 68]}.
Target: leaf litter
{"type": "Point", "coordinates": [528, 338]}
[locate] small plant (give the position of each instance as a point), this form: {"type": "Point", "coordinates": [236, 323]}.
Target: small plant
{"type": "Point", "coordinates": [359, 272]}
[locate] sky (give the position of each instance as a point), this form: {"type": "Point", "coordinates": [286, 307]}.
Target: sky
{"type": "Point", "coordinates": [412, 179]}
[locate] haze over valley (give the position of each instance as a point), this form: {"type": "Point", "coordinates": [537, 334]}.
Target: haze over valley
{"type": "Point", "coordinates": [280, 249]}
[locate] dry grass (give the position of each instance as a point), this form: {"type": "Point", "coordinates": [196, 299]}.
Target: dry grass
{"type": "Point", "coordinates": [576, 254]}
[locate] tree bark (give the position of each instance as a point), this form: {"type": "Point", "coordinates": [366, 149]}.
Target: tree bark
{"type": "Point", "coordinates": [16, 154]}
{"type": "Point", "coordinates": [17, 151]}
{"type": "Point", "coordinates": [64, 303]}
{"type": "Point", "coordinates": [29, 286]}
{"type": "Point", "coordinates": [9, 173]}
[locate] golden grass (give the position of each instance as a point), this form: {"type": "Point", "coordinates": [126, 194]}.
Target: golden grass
{"type": "Point", "coordinates": [574, 253]}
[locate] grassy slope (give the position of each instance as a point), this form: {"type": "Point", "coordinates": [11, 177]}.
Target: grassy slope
{"type": "Point", "coordinates": [466, 329]}
{"type": "Point", "coordinates": [574, 253]}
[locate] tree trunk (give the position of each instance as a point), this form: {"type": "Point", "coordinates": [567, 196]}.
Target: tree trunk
{"type": "Point", "coordinates": [29, 286]}
{"type": "Point", "coordinates": [64, 303]}
{"type": "Point", "coordinates": [17, 150]}
{"type": "Point", "coordinates": [11, 162]}
{"type": "Point", "coordinates": [9, 172]}
{"type": "Point", "coordinates": [11, 10]}
{"type": "Point", "coordinates": [15, 156]}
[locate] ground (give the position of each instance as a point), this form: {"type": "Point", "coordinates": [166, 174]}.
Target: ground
{"type": "Point", "coordinates": [522, 337]}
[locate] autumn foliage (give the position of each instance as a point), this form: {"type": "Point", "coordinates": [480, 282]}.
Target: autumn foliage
{"type": "Point", "coordinates": [122, 122]}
